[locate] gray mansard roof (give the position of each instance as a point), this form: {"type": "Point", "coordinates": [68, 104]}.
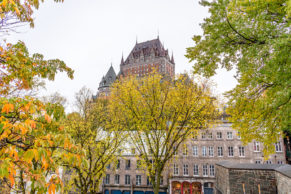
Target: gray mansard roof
{"type": "Point", "coordinates": [108, 79]}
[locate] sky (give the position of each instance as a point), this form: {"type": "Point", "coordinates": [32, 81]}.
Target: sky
{"type": "Point", "coordinates": [90, 35]}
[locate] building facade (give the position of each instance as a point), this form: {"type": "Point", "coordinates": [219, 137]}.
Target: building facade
{"type": "Point", "coordinates": [144, 58]}
{"type": "Point", "coordinates": [192, 169]}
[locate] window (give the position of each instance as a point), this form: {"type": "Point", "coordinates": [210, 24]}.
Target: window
{"type": "Point", "coordinates": [108, 166]}
{"type": "Point", "coordinates": [185, 169]}
{"type": "Point", "coordinates": [107, 179]}
{"type": "Point", "coordinates": [211, 169]}
{"type": "Point", "coordinates": [241, 151]}
{"type": "Point", "coordinates": [219, 135]}
{"type": "Point", "coordinates": [185, 150]}
{"type": "Point", "coordinates": [269, 162]}
{"type": "Point", "coordinates": [209, 135]}
{"type": "Point", "coordinates": [210, 151]}
{"type": "Point", "coordinates": [205, 170]}
{"type": "Point", "coordinates": [256, 146]}
{"type": "Point", "coordinates": [118, 164]}
{"type": "Point", "coordinates": [278, 147]}
{"type": "Point", "coordinates": [195, 151]}
{"type": "Point", "coordinates": [219, 151]}
{"type": "Point", "coordinates": [138, 164]}
{"type": "Point", "coordinates": [204, 151]}
{"type": "Point", "coordinates": [195, 169]}
{"type": "Point", "coordinates": [258, 161]}
{"type": "Point", "coordinates": [238, 135]}
{"type": "Point", "coordinates": [149, 183]}
{"type": "Point", "coordinates": [194, 136]}
{"type": "Point", "coordinates": [127, 179]}
{"type": "Point", "coordinates": [175, 150]}
{"type": "Point", "coordinates": [229, 135]}
{"type": "Point", "coordinates": [138, 179]}
{"type": "Point", "coordinates": [176, 169]}
{"type": "Point", "coordinates": [127, 164]}
{"type": "Point", "coordinates": [280, 162]}
{"type": "Point", "coordinates": [116, 179]}
{"type": "Point", "coordinates": [203, 135]}
{"type": "Point", "coordinates": [230, 151]}
{"type": "Point", "coordinates": [161, 180]}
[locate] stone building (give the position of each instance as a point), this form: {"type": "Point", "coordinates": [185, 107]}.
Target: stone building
{"type": "Point", "coordinates": [252, 178]}
{"type": "Point", "coordinates": [144, 58]}
{"type": "Point", "coordinates": [193, 169]}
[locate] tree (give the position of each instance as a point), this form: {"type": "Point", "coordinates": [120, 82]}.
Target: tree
{"type": "Point", "coordinates": [159, 114]}
{"type": "Point", "coordinates": [32, 140]}
{"type": "Point", "coordinates": [100, 144]}
{"type": "Point", "coordinates": [254, 37]}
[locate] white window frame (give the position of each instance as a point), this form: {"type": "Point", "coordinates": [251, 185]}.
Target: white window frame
{"type": "Point", "coordinates": [211, 170]}
{"type": "Point", "coordinates": [185, 150]}
{"type": "Point", "coordinates": [210, 135]}
{"type": "Point", "coordinates": [238, 135]}
{"type": "Point", "coordinates": [241, 151]}
{"type": "Point", "coordinates": [204, 151]}
{"type": "Point", "coordinates": [219, 136]}
{"type": "Point", "coordinates": [230, 151]}
{"type": "Point", "coordinates": [256, 146]}
{"type": "Point", "coordinates": [211, 151]}
{"type": "Point", "coordinates": [195, 170]}
{"type": "Point", "coordinates": [107, 179]}
{"type": "Point", "coordinates": [117, 179]}
{"type": "Point", "coordinates": [185, 170]}
{"type": "Point", "coordinates": [127, 179]}
{"type": "Point", "coordinates": [203, 135]}
{"type": "Point", "coordinates": [278, 147]}
{"type": "Point", "coordinates": [205, 170]}
{"type": "Point", "coordinates": [229, 135]}
{"type": "Point", "coordinates": [195, 150]}
{"type": "Point", "coordinates": [220, 151]}
{"type": "Point", "coordinates": [176, 169]}
{"type": "Point", "coordinates": [138, 180]}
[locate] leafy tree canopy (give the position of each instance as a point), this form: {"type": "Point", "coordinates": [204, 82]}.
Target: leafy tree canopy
{"type": "Point", "coordinates": [252, 36]}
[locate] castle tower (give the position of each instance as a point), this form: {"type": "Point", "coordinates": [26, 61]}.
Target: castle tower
{"type": "Point", "coordinates": [147, 56]}
{"type": "Point", "coordinates": [106, 82]}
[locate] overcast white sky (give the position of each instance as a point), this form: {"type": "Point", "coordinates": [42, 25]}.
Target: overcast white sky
{"type": "Point", "coordinates": [89, 35]}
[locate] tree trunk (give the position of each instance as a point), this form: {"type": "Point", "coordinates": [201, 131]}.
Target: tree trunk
{"type": "Point", "coordinates": [157, 183]}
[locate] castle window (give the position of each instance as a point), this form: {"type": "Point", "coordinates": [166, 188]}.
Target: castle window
{"type": "Point", "coordinates": [204, 151]}
{"type": "Point", "coordinates": [195, 150]}
{"type": "Point", "coordinates": [176, 169]}
{"type": "Point", "coordinates": [219, 151]}
{"type": "Point", "coordinates": [219, 135]}
{"type": "Point", "coordinates": [116, 179]}
{"type": "Point", "coordinates": [138, 179]}
{"type": "Point", "coordinates": [185, 170]}
{"type": "Point", "coordinates": [210, 150]}
{"type": "Point", "coordinates": [229, 135]}
{"type": "Point", "coordinates": [230, 151]}
{"type": "Point", "coordinates": [211, 169]}
{"type": "Point", "coordinates": [127, 179]}
{"type": "Point", "coordinates": [107, 179]}
{"type": "Point", "coordinates": [278, 147]}
{"type": "Point", "coordinates": [205, 170]}
{"type": "Point", "coordinates": [127, 164]}
{"type": "Point", "coordinates": [256, 146]}
{"type": "Point", "coordinates": [241, 151]}
{"type": "Point", "coordinates": [196, 170]}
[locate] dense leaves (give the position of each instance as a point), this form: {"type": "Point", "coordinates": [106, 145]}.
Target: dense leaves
{"type": "Point", "coordinates": [88, 127]}
{"type": "Point", "coordinates": [159, 114]}
{"type": "Point", "coordinates": [253, 37]}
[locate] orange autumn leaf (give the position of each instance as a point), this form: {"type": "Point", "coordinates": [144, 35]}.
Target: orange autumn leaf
{"type": "Point", "coordinates": [47, 118]}
{"type": "Point", "coordinates": [7, 108]}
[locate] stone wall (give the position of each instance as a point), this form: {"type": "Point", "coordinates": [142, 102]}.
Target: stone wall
{"type": "Point", "coordinates": [252, 178]}
{"type": "Point", "coordinates": [284, 183]}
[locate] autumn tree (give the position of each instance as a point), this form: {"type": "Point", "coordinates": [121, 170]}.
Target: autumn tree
{"type": "Point", "coordinates": [32, 140]}
{"type": "Point", "coordinates": [88, 127]}
{"type": "Point", "coordinates": [159, 114]}
{"type": "Point", "coordinates": [254, 38]}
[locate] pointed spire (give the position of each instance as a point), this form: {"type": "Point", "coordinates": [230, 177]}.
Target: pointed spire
{"type": "Point", "coordinates": [172, 58]}
{"type": "Point", "coordinates": [158, 35]}
{"type": "Point", "coordinates": [122, 60]}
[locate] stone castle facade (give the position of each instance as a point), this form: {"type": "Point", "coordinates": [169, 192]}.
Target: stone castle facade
{"type": "Point", "coordinates": [193, 168]}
